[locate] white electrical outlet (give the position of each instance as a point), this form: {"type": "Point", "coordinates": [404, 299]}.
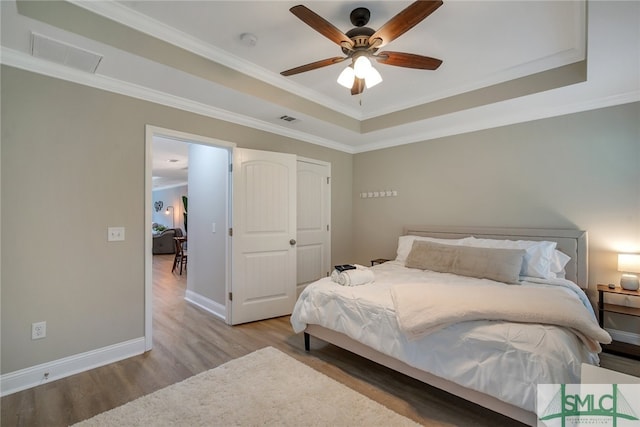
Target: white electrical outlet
{"type": "Point", "coordinates": [115, 234]}
{"type": "Point", "coordinates": [38, 330]}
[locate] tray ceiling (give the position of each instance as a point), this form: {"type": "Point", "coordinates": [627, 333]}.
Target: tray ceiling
{"type": "Point", "coordinates": [503, 62]}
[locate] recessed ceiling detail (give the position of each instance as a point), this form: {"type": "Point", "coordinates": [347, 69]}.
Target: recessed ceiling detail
{"type": "Point", "coordinates": [504, 62]}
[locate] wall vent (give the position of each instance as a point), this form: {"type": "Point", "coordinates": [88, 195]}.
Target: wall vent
{"type": "Point", "coordinates": [288, 118]}
{"type": "Point", "coordinates": [65, 54]}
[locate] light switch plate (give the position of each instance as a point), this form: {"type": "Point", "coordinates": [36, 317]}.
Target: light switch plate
{"type": "Point", "coordinates": [115, 234]}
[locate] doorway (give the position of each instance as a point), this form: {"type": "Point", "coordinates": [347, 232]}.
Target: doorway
{"type": "Point", "coordinates": [261, 177]}
{"type": "Point", "coordinates": [208, 220]}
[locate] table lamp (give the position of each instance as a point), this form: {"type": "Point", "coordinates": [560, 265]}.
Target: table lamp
{"type": "Point", "coordinates": [629, 264]}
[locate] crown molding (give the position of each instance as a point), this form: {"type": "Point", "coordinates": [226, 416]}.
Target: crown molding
{"type": "Point", "coordinates": [27, 62]}
{"type": "Point", "coordinates": [143, 23]}
{"type": "Point", "coordinates": [133, 19]}
{"type": "Point", "coordinates": [558, 60]}
{"type": "Point", "coordinates": [499, 120]}
{"type": "Point", "coordinates": [170, 186]}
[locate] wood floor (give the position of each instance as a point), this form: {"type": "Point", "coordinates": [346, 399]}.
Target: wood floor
{"type": "Point", "coordinates": [188, 340]}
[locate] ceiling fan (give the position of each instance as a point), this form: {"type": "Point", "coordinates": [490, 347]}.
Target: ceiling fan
{"type": "Point", "coordinates": [362, 43]}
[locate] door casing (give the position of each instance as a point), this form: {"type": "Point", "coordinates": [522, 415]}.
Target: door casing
{"type": "Point", "coordinates": [151, 132]}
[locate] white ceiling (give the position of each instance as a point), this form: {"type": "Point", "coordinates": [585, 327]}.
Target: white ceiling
{"type": "Point", "coordinates": [170, 163]}
{"type": "Point", "coordinates": [481, 43]}
{"type": "Point", "coordinates": [469, 36]}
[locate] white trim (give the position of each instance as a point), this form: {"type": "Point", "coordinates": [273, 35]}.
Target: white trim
{"type": "Point", "coordinates": [26, 62]}
{"type": "Point", "coordinates": [228, 277]}
{"type": "Point", "coordinates": [504, 119]}
{"type": "Point", "coordinates": [557, 60]}
{"type": "Point", "coordinates": [140, 22]}
{"type": "Point", "coordinates": [207, 304]}
{"type": "Point", "coordinates": [166, 187]}
{"type": "Point", "coordinates": [314, 161]}
{"type": "Point", "coordinates": [148, 238]}
{"type": "Point", "coordinates": [161, 31]}
{"type": "Point", "coordinates": [210, 306]}
{"type": "Point", "coordinates": [189, 137]}
{"type": "Point", "coordinates": [61, 368]}
{"type": "Point", "coordinates": [624, 336]}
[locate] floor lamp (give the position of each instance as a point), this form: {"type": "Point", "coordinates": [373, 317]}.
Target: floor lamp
{"type": "Point", "coordinates": [166, 212]}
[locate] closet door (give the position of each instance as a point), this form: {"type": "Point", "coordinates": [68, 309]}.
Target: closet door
{"type": "Point", "coordinates": [314, 220]}
{"type": "Point", "coordinates": [263, 281]}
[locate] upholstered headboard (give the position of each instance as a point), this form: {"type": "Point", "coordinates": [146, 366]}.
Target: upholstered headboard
{"type": "Point", "coordinates": [571, 242]}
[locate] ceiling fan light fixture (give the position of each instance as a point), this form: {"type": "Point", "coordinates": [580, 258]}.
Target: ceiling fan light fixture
{"type": "Point", "coordinates": [361, 66]}
{"type": "Point", "coordinates": [361, 43]}
{"type": "Point", "coordinates": [372, 78]}
{"type": "Point", "coordinates": [347, 77]}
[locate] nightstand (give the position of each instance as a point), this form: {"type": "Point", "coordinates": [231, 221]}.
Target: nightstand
{"type": "Point", "coordinates": [617, 346]}
{"type": "Point", "coordinates": [379, 261]}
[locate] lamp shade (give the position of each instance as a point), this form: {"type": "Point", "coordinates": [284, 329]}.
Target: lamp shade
{"type": "Point", "coordinates": [373, 78]}
{"type": "Point", "coordinates": [346, 77]}
{"type": "Point", "coordinates": [361, 67]}
{"type": "Point", "coordinates": [629, 263]}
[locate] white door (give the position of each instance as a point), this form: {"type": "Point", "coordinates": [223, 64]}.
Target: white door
{"type": "Point", "coordinates": [264, 232]}
{"type": "Point", "coordinates": [314, 219]}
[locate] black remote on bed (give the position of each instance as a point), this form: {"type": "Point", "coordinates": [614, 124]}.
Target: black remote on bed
{"type": "Point", "coordinates": [344, 267]}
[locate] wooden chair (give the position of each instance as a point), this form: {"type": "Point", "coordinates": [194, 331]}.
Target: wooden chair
{"type": "Point", "coordinates": [181, 254]}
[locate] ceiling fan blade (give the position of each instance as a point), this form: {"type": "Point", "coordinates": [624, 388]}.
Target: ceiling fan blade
{"type": "Point", "coordinates": [408, 60]}
{"type": "Point", "coordinates": [314, 65]}
{"type": "Point", "coordinates": [404, 21]}
{"type": "Point", "coordinates": [358, 86]}
{"type": "Point", "coordinates": [322, 26]}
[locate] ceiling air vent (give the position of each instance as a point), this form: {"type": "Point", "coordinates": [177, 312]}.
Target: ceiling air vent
{"type": "Point", "coordinates": [65, 54]}
{"type": "Point", "coordinates": [288, 119]}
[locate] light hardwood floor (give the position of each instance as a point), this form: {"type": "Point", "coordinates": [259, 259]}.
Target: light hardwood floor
{"type": "Point", "coordinates": [188, 340]}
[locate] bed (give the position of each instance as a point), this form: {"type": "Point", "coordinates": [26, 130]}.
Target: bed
{"type": "Point", "coordinates": [492, 362]}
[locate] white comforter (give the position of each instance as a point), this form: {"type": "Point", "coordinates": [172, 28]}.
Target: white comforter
{"type": "Point", "coordinates": [422, 310]}
{"type": "Point", "coordinates": [502, 359]}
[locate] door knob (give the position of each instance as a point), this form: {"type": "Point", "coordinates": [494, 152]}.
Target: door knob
{"type": "Point", "coordinates": [292, 242]}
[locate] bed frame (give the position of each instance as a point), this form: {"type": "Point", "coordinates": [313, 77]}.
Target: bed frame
{"type": "Point", "coordinates": [571, 242]}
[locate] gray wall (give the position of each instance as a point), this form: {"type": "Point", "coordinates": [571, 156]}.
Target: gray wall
{"type": "Point", "coordinates": [208, 196]}
{"type": "Point", "coordinates": [72, 165]}
{"type": "Point", "coordinates": [576, 171]}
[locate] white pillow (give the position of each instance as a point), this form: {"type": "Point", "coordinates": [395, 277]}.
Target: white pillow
{"type": "Point", "coordinates": [558, 262]}
{"type": "Point", "coordinates": [538, 257]}
{"type": "Point", "coordinates": [405, 243]}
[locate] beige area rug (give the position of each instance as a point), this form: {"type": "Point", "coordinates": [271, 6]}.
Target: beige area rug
{"type": "Point", "coordinates": [264, 388]}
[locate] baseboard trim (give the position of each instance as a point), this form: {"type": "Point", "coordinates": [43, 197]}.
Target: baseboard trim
{"type": "Point", "coordinates": [207, 304]}
{"type": "Point", "coordinates": [624, 336]}
{"type": "Point", "coordinates": [61, 368]}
